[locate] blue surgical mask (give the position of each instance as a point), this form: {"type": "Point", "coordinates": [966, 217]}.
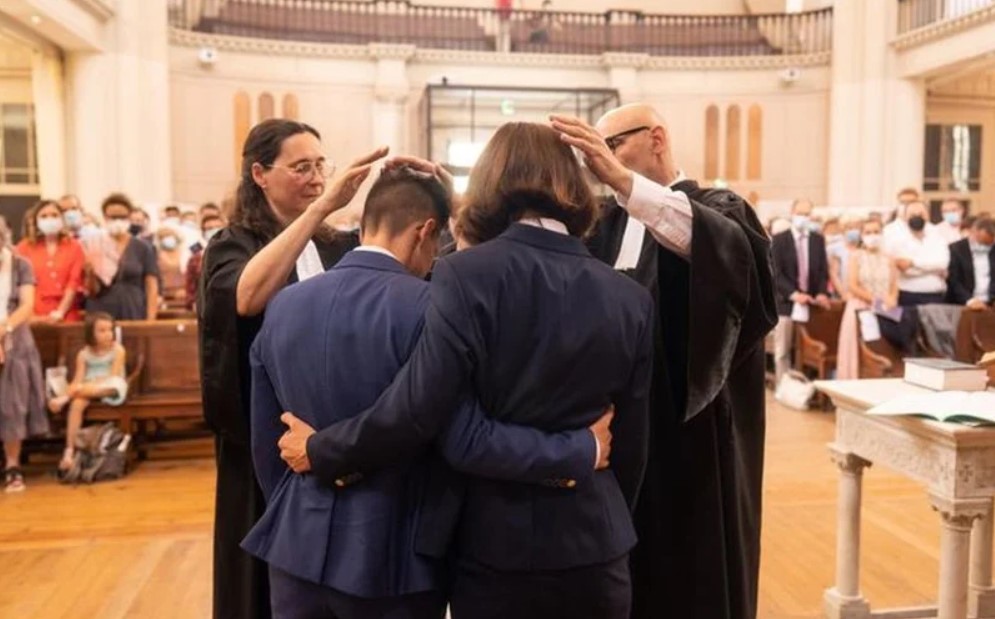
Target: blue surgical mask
{"type": "Point", "coordinates": [170, 243]}
{"type": "Point", "coordinates": [800, 222]}
{"type": "Point", "coordinates": [814, 226]}
{"type": "Point", "coordinates": [74, 219]}
{"type": "Point", "coordinates": [952, 218]}
{"type": "Point", "coordinates": [852, 236]}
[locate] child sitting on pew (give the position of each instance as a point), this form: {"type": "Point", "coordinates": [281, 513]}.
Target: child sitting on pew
{"type": "Point", "coordinates": [99, 375]}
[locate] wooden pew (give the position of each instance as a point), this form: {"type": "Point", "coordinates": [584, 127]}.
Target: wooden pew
{"type": "Point", "coordinates": [163, 371]}
{"type": "Point", "coordinates": [817, 340]}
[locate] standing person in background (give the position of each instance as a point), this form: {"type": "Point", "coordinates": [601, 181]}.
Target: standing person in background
{"type": "Point", "coordinates": [210, 225]}
{"type": "Point", "coordinates": [839, 256]}
{"type": "Point", "coordinates": [802, 278]}
{"type": "Point", "coordinates": [953, 213]}
{"type": "Point", "coordinates": [702, 253]}
{"type": "Point", "coordinates": [22, 390]}
{"type": "Point", "coordinates": [140, 226]}
{"type": "Point", "coordinates": [922, 257]}
{"type": "Point", "coordinates": [277, 236]}
{"type": "Point", "coordinates": [57, 260]}
{"type": "Point", "coordinates": [72, 212]}
{"type": "Point", "coordinates": [172, 261]}
{"type": "Point", "coordinates": [124, 278]}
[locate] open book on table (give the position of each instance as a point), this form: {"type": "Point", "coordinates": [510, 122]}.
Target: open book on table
{"type": "Point", "coordinates": [965, 407]}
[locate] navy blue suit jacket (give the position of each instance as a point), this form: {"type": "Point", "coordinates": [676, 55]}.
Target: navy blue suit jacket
{"type": "Point", "coordinates": [328, 347]}
{"type": "Point", "coordinates": [546, 335]}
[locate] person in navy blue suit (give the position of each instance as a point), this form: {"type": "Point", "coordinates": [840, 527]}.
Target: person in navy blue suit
{"type": "Point", "coordinates": [544, 335]}
{"type": "Point", "coordinates": [346, 549]}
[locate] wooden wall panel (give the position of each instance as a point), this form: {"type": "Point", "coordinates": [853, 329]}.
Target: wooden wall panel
{"type": "Point", "coordinates": [733, 143]}
{"type": "Point", "coordinates": [267, 107]}
{"type": "Point", "coordinates": [754, 143]}
{"type": "Point", "coordinates": [243, 122]}
{"type": "Point", "coordinates": [291, 108]}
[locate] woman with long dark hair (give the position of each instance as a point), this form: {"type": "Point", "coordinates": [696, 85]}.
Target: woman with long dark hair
{"type": "Point", "coordinates": [277, 236]}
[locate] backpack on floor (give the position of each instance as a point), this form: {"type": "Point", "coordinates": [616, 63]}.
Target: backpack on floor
{"type": "Point", "coordinates": [101, 454]}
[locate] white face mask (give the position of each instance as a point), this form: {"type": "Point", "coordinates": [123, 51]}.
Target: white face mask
{"type": "Point", "coordinates": [209, 234]}
{"type": "Point", "coordinates": [872, 241]}
{"type": "Point", "coordinates": [117, 227]}
{"type": "Point", "coordinates": [50, 226]}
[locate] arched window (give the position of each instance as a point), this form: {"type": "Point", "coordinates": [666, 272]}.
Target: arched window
{"type": "Point", "coordinates": [242, 115]}
{"type": "Point", "coordinates": [754, 142]}
{"type": "Point", "coordinates": [711, 142]}
{"type": "Point", "coordinates": [290, 107]}
{"type": "Point", "coordinates": [733, 143]}
{"type": "Point", "coordinates": [267, 107]}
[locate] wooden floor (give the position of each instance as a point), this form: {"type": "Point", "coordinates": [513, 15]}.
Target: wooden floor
{"type": "Point", "coordinates": [142, 547]}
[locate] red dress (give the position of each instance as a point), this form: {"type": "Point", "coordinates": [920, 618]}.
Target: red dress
{"type": "Point", "coordinates": [55, 273]}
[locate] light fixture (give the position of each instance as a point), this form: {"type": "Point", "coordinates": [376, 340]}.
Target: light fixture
{"type": "Point", "coordinates": [507, 107]}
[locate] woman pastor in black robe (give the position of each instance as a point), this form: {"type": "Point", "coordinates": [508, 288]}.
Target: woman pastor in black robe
{"type": "Point", "coordinates": [276, 230]}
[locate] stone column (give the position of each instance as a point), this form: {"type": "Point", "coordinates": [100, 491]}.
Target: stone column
{"type": "Point", "coordinates": [391, 92]}
{"type": "Point", "coordinates": [50, 121]}
{"type": "Point", "coordinates": [955, 541]}
{"type": "Point", "coordinates": [981, 594]}
{"type": "Point", "coordinates": [844, 601]}
{"type": "Point", "coordinates": [119, 110]}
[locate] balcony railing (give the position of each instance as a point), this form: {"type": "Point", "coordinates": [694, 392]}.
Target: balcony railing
{"type": "Point", "coordinates": [558, 32]}
{"type": "Point", "coordinates": [914, 14]}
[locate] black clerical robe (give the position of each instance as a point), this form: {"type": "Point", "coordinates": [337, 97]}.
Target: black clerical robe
{"type": "Point", "coordinates": [698, 515]}
{"type": "Point", "coordinates": [241, 582]}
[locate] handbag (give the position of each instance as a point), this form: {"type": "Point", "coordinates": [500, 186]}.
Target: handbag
{"type": "Point", "coordinates": [795, 390]}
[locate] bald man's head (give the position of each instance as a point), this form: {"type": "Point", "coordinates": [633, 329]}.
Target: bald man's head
{"type": "Point", "coordinates": [638, 136]}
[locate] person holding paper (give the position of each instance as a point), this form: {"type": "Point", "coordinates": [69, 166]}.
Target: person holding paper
{"type": "Point", "coordinates": [801, 272]}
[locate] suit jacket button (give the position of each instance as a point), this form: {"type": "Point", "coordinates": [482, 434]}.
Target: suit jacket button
{"type": "Point", "coordinates": [569, 483]}
{"type": "Point", "coordinates": [340, 483]}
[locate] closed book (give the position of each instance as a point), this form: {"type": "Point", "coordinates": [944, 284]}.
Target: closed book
{"type": "Point", "coordinates": [945, 375]}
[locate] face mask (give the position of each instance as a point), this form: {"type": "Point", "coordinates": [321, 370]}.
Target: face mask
{"type": "Point", "coordinates": [814, 226]}
{"type": "Point", "coordinates": [50, 226]}
{"type": "Point", "coordinates": [135, 229]}
{"type": "Point", "coordinates": [74, 219]}
{"type": "Point", "coordinates": [917, 223]}
{"type": "Point", "coordinates": [190, 224]}
{"type": "Point", "coordinates": [832, 239]}
{"type": "Point", "coordinates": [979, 248]}
{"type": "Point", "coordinates": [800, 222]}
{"type": "Point", "coordinates": [171, 222]}
{"type": "Point", "coordinates": [117, 227]}
{"type": "Point", "coordinates": [209, 234]}
{"type": "Point", "coordinates": [89, 231]}
{"type": "Point", "coordinates": [872, 241]}
{"type": "Point", "coordinates": [952, 218]}
{"type": "Point", "coordinates": [169, 243]}
{"type": "Point", "coordinates": [853, 236]}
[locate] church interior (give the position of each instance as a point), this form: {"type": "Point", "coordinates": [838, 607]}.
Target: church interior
{"type": "Point", "coordinates": [830, 108]}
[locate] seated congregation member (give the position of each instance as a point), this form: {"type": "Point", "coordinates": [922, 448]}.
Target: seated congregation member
{"type": "Point", "coordinates": [331, 345]}
{"type": "Point", "coordinates": [277, 236]}
{"type": "Point", "coordinates": [57, 260]}
{"type": "Point", "coordinates": [210, 225]}
{"type": "Point", "coordinates": [922, 257]}
{"type": "Point", "coordinates": [801, 278]}
{"type": "Point", "coordinates": [972, 266]}
{"type": "Point", "coordinates": [124, 274]}
{"type": "Point", "coordinates": [873, 282]}
{"type": "Point", "coordinates": [542, 334]}
{"type": "Point", "coordinates": [22, 390]}
{"type": "Point", "coordinates": [99, 375]}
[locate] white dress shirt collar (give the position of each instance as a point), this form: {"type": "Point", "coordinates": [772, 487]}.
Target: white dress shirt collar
{"type": "Point", "coordinates": [376, 249]}
{"type": "Point", "coordinates": [545, 223]}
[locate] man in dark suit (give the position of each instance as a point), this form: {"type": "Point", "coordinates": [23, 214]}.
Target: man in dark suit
{"type": "Point", "coordinates": [970, 280]}
{"type": "Point", "coordinates": [544, 334]}
{"type": "Point", "coordinates": [330, 345]}
{"type": "Point", "coordinates": [801, 272]}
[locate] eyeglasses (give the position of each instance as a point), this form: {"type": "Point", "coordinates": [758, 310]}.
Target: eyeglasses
{"type": "Point", "coordinates": [305, 170]}
{"type": "Point", "coordinates": [614, 141]}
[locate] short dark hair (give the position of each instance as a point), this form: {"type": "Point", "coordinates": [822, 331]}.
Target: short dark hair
{"type": "Point", "coordinates": [209, 218]}
{"type": "Point", "coordinates": [985, 224]}
{"type": "Point", "coordinates": [90, 326]}
{"type": "Point", "coordinates": [402, 196]}
{"type": "Point", "coordinates": [116, 198]}
{"type": "Point", "coordinates": [209, 206]}
{"type": "Point", "coordinates": [169, 210]}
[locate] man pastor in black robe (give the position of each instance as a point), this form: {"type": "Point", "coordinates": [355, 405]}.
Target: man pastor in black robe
{"type": "Point", "coordinates": [706, 259]}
